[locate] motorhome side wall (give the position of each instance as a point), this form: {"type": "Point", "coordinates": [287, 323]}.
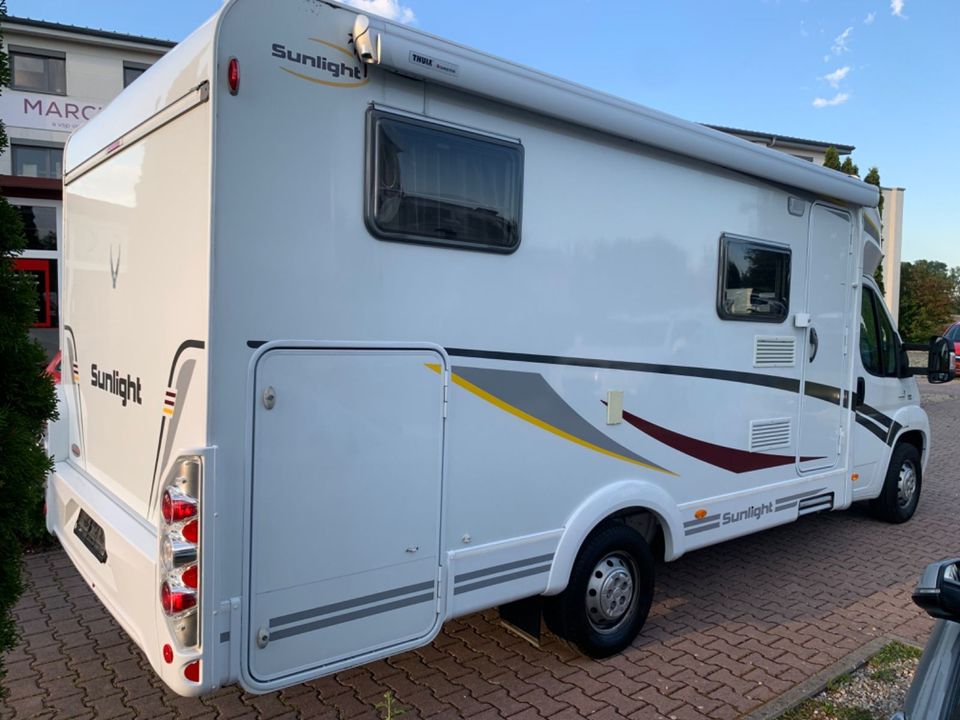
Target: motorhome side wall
{"type": "Point", "coordinates": [135, 322]}
{"type": "Point", "coordinates": [618, 261]}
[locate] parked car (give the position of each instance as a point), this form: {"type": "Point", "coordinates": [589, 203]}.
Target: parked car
{"type": "Point", "coordinates": [935, 691]}
{"type": "Point", "coordinates": [952, 334]}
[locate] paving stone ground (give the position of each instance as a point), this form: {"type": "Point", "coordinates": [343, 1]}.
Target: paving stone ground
{"type": "Point", "coordinates": [732, 627]}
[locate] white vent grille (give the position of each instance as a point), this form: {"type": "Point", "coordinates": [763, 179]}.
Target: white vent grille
{"type": "Point", "coordinates": [769, 434]}
{"type": "Point", "coordinates": [774, 351]}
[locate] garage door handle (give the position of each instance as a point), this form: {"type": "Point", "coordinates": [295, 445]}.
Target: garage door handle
{"type": "Point", "coordinates": [814, 342]}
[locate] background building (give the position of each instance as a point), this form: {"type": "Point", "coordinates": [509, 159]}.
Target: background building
{"type": "Point", "coordinates": [60, 77]}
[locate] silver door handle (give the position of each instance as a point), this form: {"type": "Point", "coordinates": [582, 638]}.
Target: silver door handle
{"type": "Point", "coordinates": [815, 342]}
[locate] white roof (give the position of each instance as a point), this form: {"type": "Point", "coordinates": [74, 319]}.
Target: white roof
{"type": "Point", "coordinates": [500, 80]}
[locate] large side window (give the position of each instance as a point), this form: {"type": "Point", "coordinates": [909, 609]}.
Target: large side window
{"type": "Point", "coordinates": [754, 280]}
{"type": "Point", "coordinates": [878, 340]}
{"type": "Point", "coordinates": [434, 184]}
{"type": "Point", "coordinates": [38, 70]}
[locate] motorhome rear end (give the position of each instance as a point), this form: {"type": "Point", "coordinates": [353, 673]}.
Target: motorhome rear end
{"type": "Point", "coordinates": [456, 335]}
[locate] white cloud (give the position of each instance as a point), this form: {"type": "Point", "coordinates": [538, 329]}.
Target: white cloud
{"type": "Point", "coordinates": [896, 7]}
{"type": "Point", "coordinates": [836, 76]}
{"type": "Point", "coordinates": [390, 9]}
{"type": "Point", "coordinates": [839, 99]}
{"type": "Point", "coordinates": [868, 20]}
{"type": "Point", "coordinates": [841, 43]}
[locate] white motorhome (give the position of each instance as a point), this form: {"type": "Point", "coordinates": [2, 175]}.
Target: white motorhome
{"type": "Point", "coordinates": [366, 330]}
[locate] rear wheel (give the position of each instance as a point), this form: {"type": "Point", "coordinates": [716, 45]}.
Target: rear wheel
{"type": "Point", "coordinates": [609, 594]}
{"type": "Point", "coordinates": [901, 488]}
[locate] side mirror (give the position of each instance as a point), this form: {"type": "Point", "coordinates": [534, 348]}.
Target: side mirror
{"type": "Point", "coordinates": [939, 590]}
{"type": "Point", "coordinates": [940, 364]}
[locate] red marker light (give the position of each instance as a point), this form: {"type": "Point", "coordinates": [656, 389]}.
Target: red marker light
{"type": "Point", "coordinates": [176, 506]}
{"type": "Point", "coordinates": [191, 531]}
{"type": "Point", "coordinates": [190, 577]}
{"type": "Point", "coordinates": [167, 654]}
{"type": "Point", "coordinates": [192, 671]}
{"type": "Point", "coordinates": [233, 76]}
{"type": "Point", "coordinates": [176, 601]}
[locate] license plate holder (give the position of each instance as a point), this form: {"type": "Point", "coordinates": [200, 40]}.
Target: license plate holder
{"type": "Point", "coordinates": [91, 535]}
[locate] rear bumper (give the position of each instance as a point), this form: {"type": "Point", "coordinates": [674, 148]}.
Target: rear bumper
{"type": "Point", "coordinates": [126, 582]}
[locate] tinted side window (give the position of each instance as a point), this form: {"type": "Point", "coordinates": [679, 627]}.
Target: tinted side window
{"type": "Point", "coordinates": [433, 184]}
{"type": "Point", "coordinates": [878, 340]}
{"type": "Point", "coordinates": [888, 342]}
{"type": "Point", "coordinates": [869, 341]}
{"type": "Point", "coordinates": [754, 280]}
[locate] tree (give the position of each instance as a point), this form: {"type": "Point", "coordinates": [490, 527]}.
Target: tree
{"type": "Point", "coordinates": [26, 403]}
{"type": "Point", "coordinates": [927, 298]}
{"type": "Point", "coordinates": [831, 158]}
{"type": "Point", "coordinates": [849, 167]}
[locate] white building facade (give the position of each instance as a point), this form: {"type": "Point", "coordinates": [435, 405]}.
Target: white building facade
{"type": "Point", "coordinates": [60, 77]}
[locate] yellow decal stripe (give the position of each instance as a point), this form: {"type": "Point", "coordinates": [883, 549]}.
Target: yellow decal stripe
{"type": "Point", "coordinates": [339, 48]}
{"type": "Point", "coordinates": [326, 82]}
{"type": "Point", "coordinates": [493, 400]}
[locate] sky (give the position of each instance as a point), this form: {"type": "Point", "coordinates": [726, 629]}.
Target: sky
{"type": "Point", "coordinates": [882, 75]}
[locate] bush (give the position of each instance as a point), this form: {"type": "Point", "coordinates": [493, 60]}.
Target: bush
{"type": "Point", "coordinates": [27, 402]}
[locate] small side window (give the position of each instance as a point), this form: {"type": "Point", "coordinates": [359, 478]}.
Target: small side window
{"type": "Point", "coordinates": [754, 280]}
{"type": "Point", "coordinates": [433, 184]}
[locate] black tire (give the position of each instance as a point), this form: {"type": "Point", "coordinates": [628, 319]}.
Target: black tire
{"type": "Point", "coordinates": [901, 488]}
{"type": "Point", "coordinates": [578, 615]}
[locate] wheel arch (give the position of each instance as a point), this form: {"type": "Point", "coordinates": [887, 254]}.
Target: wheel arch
{"type": "Point", "coordinates": [625, 500]}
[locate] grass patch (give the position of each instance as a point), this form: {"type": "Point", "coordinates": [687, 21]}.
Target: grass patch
{"type": "Point", "coordinates": [825, 710]}
{"type": "Point", "coordinates": [893, 653]}
{"type": "Point", "coordinates": [843, 696]}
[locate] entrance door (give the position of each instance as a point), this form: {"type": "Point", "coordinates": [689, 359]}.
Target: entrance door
{"type": "Point", "coordinates": [345, 519]}
{"type": "Point", "coordinates": [824, 375]}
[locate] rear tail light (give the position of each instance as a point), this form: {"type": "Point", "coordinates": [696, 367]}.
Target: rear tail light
{"type": "Point", "coordinates": [192, 671]}
{"type": "Point", "coordinates": [180, 554]}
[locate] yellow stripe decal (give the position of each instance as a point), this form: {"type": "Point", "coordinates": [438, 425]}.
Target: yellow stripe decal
{"type": "Point", "coordinates": [493, 400]}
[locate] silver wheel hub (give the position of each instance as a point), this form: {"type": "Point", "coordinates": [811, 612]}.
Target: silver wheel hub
{"type": "Point", "coordinates": [611, 592]}
{"type": "Point", "coordinates": [906, 484]}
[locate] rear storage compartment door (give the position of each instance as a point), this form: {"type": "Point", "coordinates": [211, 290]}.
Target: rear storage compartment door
{"type": "Point", "coordinates": [346, 505]}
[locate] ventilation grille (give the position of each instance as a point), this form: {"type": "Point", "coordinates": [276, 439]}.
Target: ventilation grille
{"type": "Point", "coordinates": [774, 351]}
{"type": "Point", "coordinates": [769, 434]}
{"type": "Point", "coordinates": [818, 503]}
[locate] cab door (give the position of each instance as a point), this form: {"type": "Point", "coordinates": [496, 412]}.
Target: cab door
{"type": "Point", "coordinates": [344, 520]}
{"type": "Point", "coordinates": [824, 356]}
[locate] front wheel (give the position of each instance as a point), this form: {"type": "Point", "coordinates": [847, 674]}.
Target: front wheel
{"type": "Point", "coordinates": [609, 594]}
{"type": "Point", "coordinates": [901, 488]}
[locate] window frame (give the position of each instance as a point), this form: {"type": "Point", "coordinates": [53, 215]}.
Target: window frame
{"type": "Point", "coordinates": [132, 65]}
{"type": "Point", "coordinates": [15, 145]}
{"type": "Point", "coordinates": [880, 308]}
{"type": "Point", "coordinates": [14, 50]}
{"type": "Point", "coordinates": [370, 179]}
{"type": "Point", "coordinates": [772, 246]}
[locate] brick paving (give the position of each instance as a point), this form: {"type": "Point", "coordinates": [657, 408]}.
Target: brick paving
{"type": "Point", "coordinates": [732, 627]}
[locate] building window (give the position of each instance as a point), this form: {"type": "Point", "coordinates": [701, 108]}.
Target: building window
{"type": "Point", "coordinates": [39, 226]}
{"type": "Point", "coordinates": [131, 71]}
{"type": "Point", "coordinates": [37, 161]}
{"type": "Point", "coordinates": [434, 184]}
{"type": "Point", "coordinates": [38, 71]}
{"type": "Point", "coordinates": [754, 280]}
